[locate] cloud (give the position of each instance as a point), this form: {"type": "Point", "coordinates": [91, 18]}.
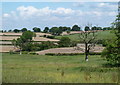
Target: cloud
{"type": "Point", "coordinates": [6, 15]}
{"type": "Point", "coordinates": [29, 16]}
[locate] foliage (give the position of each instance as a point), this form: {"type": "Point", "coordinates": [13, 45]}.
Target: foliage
{"type": "Point", "coordinates": [89, 39]}
{"type": "Point", "coordinates": [64, 42]}
{"type": "Point", "coordinates": [55, 31]}
{"type": "Point", "coordinates": [70, 54]}
{"type": "Point", "coordinates": [16, 30]}
{"type": "Point", "coordinates": [51, 37]}
{"type": "Point", "coordinates": [87, 28]}
{"type": "Point", "coordinates": [107, 28]}
{"type": "Point", "coordinates": [46, 30]}
{"type": "Point", "coordinates": [24, 42]}
{"type": "Point", "coordinates": [36, 29]}
{"type": "Point", "coordinates": [112, 51]}
{"type": "Point", "coordinates": [76, 28]}
{"type": "Point", "coordinates": [24, 29]}
{"type": "Point", "coordinates": [96, 28]}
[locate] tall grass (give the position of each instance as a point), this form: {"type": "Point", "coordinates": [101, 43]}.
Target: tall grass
{"type": "Point", "coordinates": [56, 69]}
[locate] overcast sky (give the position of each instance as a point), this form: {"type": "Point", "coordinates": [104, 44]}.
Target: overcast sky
{"type": "Point", "coordinates": [42, 14]}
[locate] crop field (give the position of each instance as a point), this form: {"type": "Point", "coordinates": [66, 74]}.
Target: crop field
{"type": "Point", "coordinates": [28, 68]}
{"type": "Point", "coordinates": [6, 48]}
{"type": "Point", "coordinates": [44, 39]}
{"type": "Point", "coordinates": [6, 38]}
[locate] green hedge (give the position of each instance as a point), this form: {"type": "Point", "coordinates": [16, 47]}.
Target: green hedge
{"type": "Point", "coordinates": [69, 54]}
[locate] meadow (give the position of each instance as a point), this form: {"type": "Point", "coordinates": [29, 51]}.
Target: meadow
{"type": "Point", "coordinates": [101, 35]}
{"type": "Point", "coordinates": [27, 68]}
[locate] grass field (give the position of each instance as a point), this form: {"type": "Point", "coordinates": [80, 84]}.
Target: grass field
{"type": "Point", "coordinates": [100, 35]}
{"type": "Point", "coordinates": [28, 68]}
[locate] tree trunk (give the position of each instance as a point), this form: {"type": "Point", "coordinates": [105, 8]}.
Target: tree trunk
{"type": "Point", "coordinates": [86, 51]}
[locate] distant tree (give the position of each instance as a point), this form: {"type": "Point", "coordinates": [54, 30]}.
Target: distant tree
{"type": "Point", "coordinates": [16, 30]}
{"type": "Point", "coordinates": [46, 30]}
{"type": "Point", "coordinates": [76, 28]}
{"type": "Point", "coordinates": [107, 28]}
{"type": "Point", "coordinates": [24, 29]}
{"type": "Point", "coordinates": [9, 30]}
{"type": "Point", "coordinates": [87, 28]}
{"type": "Point", "coordinates": [36, 29]}
{"type": "Point", "coordinates": [64, 42]}
{"type": "Point", "coordinates": [65, 28]}
{"type": "Point", "coordinates": [1, 31]}
{"type": "Point", "coordinates": [94, 28]}
{"type": "Point", "coordinates": [89, 39]}
{"type": "Point", "coordinates": [55, 31]}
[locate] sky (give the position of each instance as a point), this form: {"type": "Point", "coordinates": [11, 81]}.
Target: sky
{"type": "Point", "coordinates": [48, 14]}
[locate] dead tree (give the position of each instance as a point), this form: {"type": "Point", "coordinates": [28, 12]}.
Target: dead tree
{"type": "Point", "coordinates": [89, 39]}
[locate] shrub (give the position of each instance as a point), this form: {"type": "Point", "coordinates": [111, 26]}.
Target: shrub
{"type": "Point", "coordinates": [51, 37]}
{"type": "Point", "coordinates": [69, 54]}
{"type": "Point", "coordinates": [33, 53]}
{"type": "Point", "coordinates": [64, 42]}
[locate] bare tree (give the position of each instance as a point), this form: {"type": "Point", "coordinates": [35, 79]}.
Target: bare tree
{"type": "Point", "coordinates": [89, 39]}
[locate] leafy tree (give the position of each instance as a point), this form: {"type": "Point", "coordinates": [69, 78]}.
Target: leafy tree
{"type": "Point", "coordinates": [46, 30]}
{"type": "Point", "coordinates": [16, 30]}
{"type": "Point", "coordinates": [107, 28]}
{"type": "Point", "coordinates": [94, 28]}
{"type": "Point", "coordinates": [87, 28]}
{"type": "Point", "coordinates": [55, 31]}
{"type": "Point", "coordinates": [24, 41]}
{"type": "Point", "coordinates": [112, 50]}
{"type": "Point", "coordinates": [64, 42]}
{"type": "Point", "coordinates": [36, 29]}
{"type": "Point", "coordinates": [65, 28]}
{"type": "Point", "coordinates": [9, 30]}
{"type": "Point", "coordinates": [24, 29]}
{"type": "Point", "coordinates": [76, 28]}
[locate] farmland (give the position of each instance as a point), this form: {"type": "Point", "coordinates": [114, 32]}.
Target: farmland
{"type": "Point", "coordinates": [6, 38]}
{"type": "Point", "coordinates": [101, 35]}
{"type": "Point", "coordinates": [28, 68]}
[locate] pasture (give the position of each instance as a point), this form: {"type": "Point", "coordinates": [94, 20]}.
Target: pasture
{"type": "Point", "coordinates": [27, 68]}
{"type": "Point", "coordinates": [101, 35]}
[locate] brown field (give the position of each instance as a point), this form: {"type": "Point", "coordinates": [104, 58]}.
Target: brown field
{"type": "Point", "coordinates": [19, 34]}
{"type": "Point", "coordinates": [5, 42]}
{"type": "Point", "coordinates": [6, 48]}
{"type": "Point", "coordinates": [8, 37]}
{"type": "Point", "coordinates": [10, 33]}
{"type": "Point", "coordinates": [68, 50]}
{"type": "Point", "coordinates": [44, 39]}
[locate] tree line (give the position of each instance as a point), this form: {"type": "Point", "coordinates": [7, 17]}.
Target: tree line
{"type": "Point", "coordinates": [59, 30]}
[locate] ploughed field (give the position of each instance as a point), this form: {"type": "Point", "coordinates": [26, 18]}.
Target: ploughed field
{"type": "Point", "coordinates": [69, 50]}
{"type": "Point", "coordinates": [27, 68]}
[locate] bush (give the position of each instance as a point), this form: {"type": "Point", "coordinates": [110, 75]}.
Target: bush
{"type": "Point", "coordinates": [51, 37]}
{"type": "Point", "coordinates": [69, 54]}
{"type": "Point", "coordinates": [64, 42]}
{"type": "Point", "coordinates": [33, 53]}
{"type": "Point", "coordinates": [11, 52]}
{"type": "Point", "coordinates": [24, 52]}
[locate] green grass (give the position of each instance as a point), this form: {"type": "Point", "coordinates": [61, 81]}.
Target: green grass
{"type": "Point", "coordinates": [100, 35]}
{"type": "Point", "coordinates": [56, 69]}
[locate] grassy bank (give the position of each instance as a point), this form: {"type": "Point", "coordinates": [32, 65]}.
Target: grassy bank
{"type": "Point", "coordinates": [56, 69]}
